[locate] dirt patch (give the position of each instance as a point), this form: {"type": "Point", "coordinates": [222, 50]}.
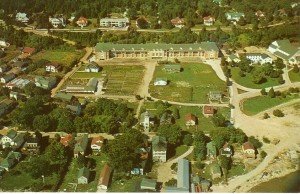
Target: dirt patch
{"type": "Point", "coordinates": [183, 84]}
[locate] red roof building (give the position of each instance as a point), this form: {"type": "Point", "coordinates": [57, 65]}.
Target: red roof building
{"type": "Point", "coordinates": [190, 119]}
{"type": "Point", "coordinates": [66, 140]}
{"type": "Point", "coordinates": [28, 50]}
{"type": "Point", "coordinates": [82, 22]}
{"type": "Point", "coordinates": [248, 149]}
{"type": "Point", "coordinates": [208, 110]}
{"type": "Point", "coordinates": [97, 143]}
{"type": "Point", "coordinates": [104, 177]}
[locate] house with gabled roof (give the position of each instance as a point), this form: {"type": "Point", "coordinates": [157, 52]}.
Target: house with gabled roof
{"type": "Point", "coordinates": [148, 184]}
{"type": "Point", "coordinates": [234, 16]}
{"type": "Point", "coordinates": [208, 111]}
{"type": "Point", "coordinates": [226, 150]}
{"type": "Point", "coordinates": [7, 78]}
{"type": "Point", "coordinates": [208, 21]}
{"type": "Point", "coordinates": [166, 119]}
{"type": "Point", "coordinates": [65, 140]}
{"type": "Point", "coordinates": [92, 67]}
{"type": "Point", "coordinates": [159, 149]}
{"type": "Point", "coordinates": [215, 96]}
{"type": "Point", "coordinates": [233, 58]}
{"type": "Point", "coordinates": [82, 22]}
{"type": "Point", "coordinates": [97, 143]}
{"type": "Point", "coordinates": [261, 58]}
{"type": "Point", "coordinates": [64, 96]}
{"type": "Point", "coordinates": [190, 120]}
{"type": "Point", "coordinates": [178, 22]}
{"type": "Point", "coordinates": [8, 139]}
{"type": "Point", "coordinates": [81, 145]}
{"type": "Point", "coordinates": [104, 178]}
{"type": "Point", "coordinates": [46, 83]}
{"type": "Point", "coordinates": [11, 159]}
{"type": "Point", "coordinates": [146, 120]}
{"type": "Point", "coordinates": [32, 145]}
{"type": "Point", "coordinates": [22, 17]}
{"type": "Point", "coordinates": [53, 67]}
{"type": "Point", "coordinates": [248, 150]}
{"type": "Point", "coordinates": [57, 21]}
{"type": "Point", "coordinates": [28, 50]}
{"type": "Point", "coordinates": [114, 22]}
{"type": "Point", "coordinates": [285, 50]}
{"type": "Point", "coordinates": [83, 176]}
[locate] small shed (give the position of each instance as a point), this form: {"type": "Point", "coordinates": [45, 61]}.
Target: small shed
{"type": "Point", "coordinates": [148, 184]}
{"type": "Point", "coordinates": [83, 176]}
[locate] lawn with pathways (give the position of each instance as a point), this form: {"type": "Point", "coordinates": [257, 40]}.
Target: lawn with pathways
{"type": "Point", "coordinates": [294, 77]}
{"type": "Point", "coordinates": [258, 104]}
{"type": "Point", "coordinates": [247, 80]}
{"type": "Point", "coordinates": [190, 85]}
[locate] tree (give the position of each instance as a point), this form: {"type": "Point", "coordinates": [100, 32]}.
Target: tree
{"type": "Point", "coordinates": [175, 112]}
{"type": "Point", "coordinates": [188, 139]}
{"type": "Point", "coordinates": [266, 116]}
{"type": "Point", "coordinates": [258, 76]}
{"type": "Point", "coordinates": [142, 23]}
{"type": "Point", "coordinates": [279, 64]}
{"type": "Point", "coordinates": [296, 69]}
{"type": "Point", "coordinates": [272, 93]}
{"type": "Point", "coordinates": [255, 142]}
{"type": "Point", "coordinates": [263, 154]}
{"type": "Point", "coordinates": [263, 92]}
{"type": "Point", "coordinates": [38, 166]}
{"type": "Point", "coordinates": [280, 80]}
{"type": "Point", "coordinates": [225, 163]}
{"type": "Point", "coordinates": [278, 113]}
{"type": "Point", "coordinates": [81, 161]}
{"type": "Point", "coordinates": [42, 123]}
{"type": "Point", "coordinates": [171, 132]}
{"type": "Point", "coordinates": [219, 120]}
{"type": "Point", "coordinates": [172, 182]}
{"type": "Point", "coordinates": [200, 141]}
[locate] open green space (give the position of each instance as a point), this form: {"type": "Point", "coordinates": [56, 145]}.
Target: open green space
{"type": "Point", "coordinates": [191, 85]}
{"type": "Point", "coordinates": [86, 75]}
{"type": "Point", "coordinates": [126, 185]}
{"type": "Point", "coordinates": [204, 123]}
{"type": "Point", "coordinates": [236, 170]}
{"type": "Point", "coordinates": [258, 104]}
{"type": "Point", "coordinates": [66, 58]}
{"type": "Point", "coordinates": [181, 150]}
{"type": "Point", "coordinates": [71, 176]}
{"type": "Point", "coordinates": [247, 80]}
{"type": "Point", "coordinates": [294, 77]}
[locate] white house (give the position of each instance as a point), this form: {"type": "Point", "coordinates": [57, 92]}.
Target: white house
{"type": "Point", "coordinates": [52, 67]}
{"type": "Point", "coordinates": [259, 58]}
{"type": "Point", "coordinates": [160, 82]}
{"type": "Point", "coordinates": [82, 22]}
{"type": "Point", "coordinates": [285, 50]}
{"type": "Point", "coordinates": [22, 17]}
{"type": "Point", "coordinates": [146, 120]}
{"type": "Point", "coordinates": [234, 16]}
{"type": "Point", "coordinates": [248, 149]}
{"type": "Point", "coordinates": [114, 22]}
{"type": "Point", "coordinates": [4, 44]}
{"type": "Point", "coordinates": [97, 143]}
{"type": "Point", "coordinates": [159, 149]}
{"type": "Point", "coordinates": [8, 139]}
{"type": "Point", "coordinates": [57, 21]}
{"type": "Point", "coordinates": [208, 21]}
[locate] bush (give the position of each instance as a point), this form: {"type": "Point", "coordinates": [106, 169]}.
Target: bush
{"type": "Point", "coordinates": [188, 140]}
{"type": "Point", "coordinates": [200, 165]}
{"type": "Point", "coordinates": [278, 113]}
{"type": "Point", "coordinates": [296, 69]}
{"type": "Point", "coordinates": [256, 143]}
{"type": "Point", "coordinates": [172, 182]}
{"type": "Point", "coordinates": [272, 93]}
{"type": "Point", "coordinates": [281, 80]}
{"type": "Point", "coordinates": [263, 92]}
{"type": "Point", "coordinates": [266, 140]}
{"type": "Point", "coordinates": [174, 166]}
{"type": "Point", "coordinates": [242, 74]}
{"type": "Point", "coordinates": [263, 154]}
{"type": "Point", "coordinates": [266, 116]}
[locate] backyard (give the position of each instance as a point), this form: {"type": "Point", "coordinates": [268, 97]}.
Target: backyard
{"type": "Point", "coordinates": [190, 85]}
{"type": "Point", "coordinates": [126, 185]}
{"type": "Point", "coordinates": [70, 179]}
{"type": "Point", "coordinates": [258, 104]}
{"type": "Point", "coordinates": [247, 80]}
{"type": "Point", "coordinates": [66, 58]}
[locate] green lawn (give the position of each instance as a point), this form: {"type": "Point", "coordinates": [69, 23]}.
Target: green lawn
{"type": "Point", "coordinates": [66, 58]}
{"type": "Point", "coordinates": [294, 77]}
{"type": "Point", "coordinates": [258, 104]}
{"type": "Point", "coordinates": [71, 176]}
{"type": "Point", "coordinates": [236, 170]}
{"type": "Point", "coordinates": [181, 150]}
{"type": "Point", "coordinates": [86, 75]}
{"type": "Point", "coordinates": [126, 185]}
{"type": "Point", "coordinates": [191, 85]}
{"type": "Point", "coordinates": [247, 80]}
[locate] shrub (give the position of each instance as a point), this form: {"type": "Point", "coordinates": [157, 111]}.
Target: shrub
{"type": "Point", "coordinates": [278, 113]}
{"type": "Point", "coordinates": [256, 143]}
{"type": "Point", "coordinates": [266, 116]}
{"type": "Point", "coordinates": [266, 140]}
{"type": "Point", "coordinates": [263, 154]}
{"type": "Point", "coordinates": [199, 165]}
{"type": "Point", "coordinates": [295, 69]}
{"type": "Point", "coordinates": [172, 182]}
{"type": "Point", "coordinates": [242, 74]}
{"type": "Point", "coordinates": [272, 93]}
{"type": "Point", "coordinates": [263, 92]}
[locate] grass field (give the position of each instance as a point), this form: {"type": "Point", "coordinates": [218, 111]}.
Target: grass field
{"type": "Point", "coordinates": [127, 185]}
{"type": "Point", "coordinates": [71, 176]}
{"type": "Point", "coordinates": [294, 77]}
{"type": "Point", "coordinates": [247, 80]}
{"type": "Point", "coordinates": [66, 58]}
{"type": "Point", "coordinates": [258, 104]}
{"type": "Point", "coordinates": [86, 75]}
{"type": "Point", "coordinates": [191, 85]}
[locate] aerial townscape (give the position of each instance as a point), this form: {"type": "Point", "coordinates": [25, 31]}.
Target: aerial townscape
{"type": "Point", "coordinates": [163, 96]}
